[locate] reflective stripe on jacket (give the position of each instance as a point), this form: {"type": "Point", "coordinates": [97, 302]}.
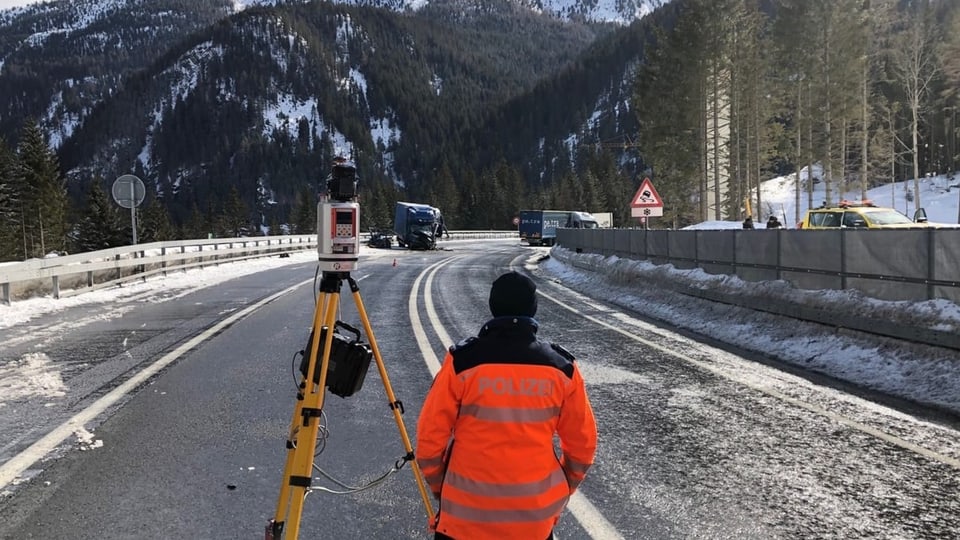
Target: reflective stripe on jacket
{"type": "Point", "coordinates": [485, 434]}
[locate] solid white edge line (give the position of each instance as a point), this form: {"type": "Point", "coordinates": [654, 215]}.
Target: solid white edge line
{"type": "Point", "coordinates": [13, 468]}
{"type": "Point", "coordinates": [591, 519]}
{"type": "Point", "coordinates": [580, 507]}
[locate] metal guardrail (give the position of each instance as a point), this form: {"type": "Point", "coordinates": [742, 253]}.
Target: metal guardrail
{"type": "Point", "coordinates": [98, 269]}
{"type": "Point", "coordinates": [73, 274]}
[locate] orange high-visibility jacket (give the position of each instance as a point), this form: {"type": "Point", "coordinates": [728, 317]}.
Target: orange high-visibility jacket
{"type": "Point", "coordinates": [485, 436]}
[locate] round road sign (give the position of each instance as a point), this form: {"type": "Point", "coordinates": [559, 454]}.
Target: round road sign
{"type": "Point", "coordinates": [128, 191]}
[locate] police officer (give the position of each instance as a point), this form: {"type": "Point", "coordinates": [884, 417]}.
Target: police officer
{"type": "Point", "coordinates": [485, 434]}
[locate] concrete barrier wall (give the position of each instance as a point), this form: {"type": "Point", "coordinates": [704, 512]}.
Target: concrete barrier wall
{"type": "Point", "coordinates": [910, 264]}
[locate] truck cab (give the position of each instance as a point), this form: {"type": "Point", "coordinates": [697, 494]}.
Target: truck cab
{"type": "Point", "coordinates": [417, 226]}
{"type": "Point", "coordinates": [582, 220]}
{"type": "Point", "coordinates": [539, 227]}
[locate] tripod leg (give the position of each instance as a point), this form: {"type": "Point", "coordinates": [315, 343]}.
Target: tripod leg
{"type": "Point", "coordinates": [298, 468]}
{"type": "Point", "coordinates": [395, 405]}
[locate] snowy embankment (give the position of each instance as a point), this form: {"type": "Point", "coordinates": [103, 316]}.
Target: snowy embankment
{"type": "Point", "coordinates": [920, 373]}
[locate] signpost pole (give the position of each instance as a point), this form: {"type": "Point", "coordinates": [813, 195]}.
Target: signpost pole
{"type": "Point", "coordinates": [133, 213]}
{"type": "Point", "coordinates": [129, 198]}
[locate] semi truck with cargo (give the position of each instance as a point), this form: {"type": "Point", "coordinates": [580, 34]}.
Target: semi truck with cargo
{"type": "Point", "coordinates": [417, 226]}
{"type": "Point", "coordinates": [539, 227]}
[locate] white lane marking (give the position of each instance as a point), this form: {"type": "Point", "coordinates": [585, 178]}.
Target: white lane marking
{"type": "Point", "coordinates": [429, 357]}
{"type": "Point", "coordinates": [580, 507]}
{"type": "Point", "coordinates": [892, 439]}
{"type": "Point", "coordinates": [591, 519]}
{"type": "Point", "coordinates": [12, 469]}
{"type": "Point", "coordinates": [431, 310]}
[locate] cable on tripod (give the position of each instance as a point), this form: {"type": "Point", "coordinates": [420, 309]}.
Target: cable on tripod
{"type": "Point", "coordinates": [351, 489]}
{"type": "Point", "coordinates": [293, 369]}
{"type": "Point", "coordinates": [322, 434]}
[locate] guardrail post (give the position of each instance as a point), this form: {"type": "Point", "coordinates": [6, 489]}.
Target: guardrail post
{"type": "Point", "coordinates": [5, 293]}
{"type": "Point", "coordinates": [56, 287]}
{"type": "Point", "coordinates": [183, 265]}
{"type": "Point", "coordinates": [201, 255]}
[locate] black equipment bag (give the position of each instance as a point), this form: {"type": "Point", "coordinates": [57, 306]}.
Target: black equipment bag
{"type": "Point", "coordinates": [348, 364]}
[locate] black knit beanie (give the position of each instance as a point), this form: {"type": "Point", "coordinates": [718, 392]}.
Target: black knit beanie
{"type": "Point", "coordinates": [513, 294]}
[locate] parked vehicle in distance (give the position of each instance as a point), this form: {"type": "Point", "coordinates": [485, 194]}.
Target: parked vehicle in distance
{"type": "Point", "coordinates": [380, 239]}
{"type": "Point", "coordinates": [417, 226]}
{"type": "Point", "coordinates": [863, 215]}
{"type": "Point", "coordinates": [539, 227]}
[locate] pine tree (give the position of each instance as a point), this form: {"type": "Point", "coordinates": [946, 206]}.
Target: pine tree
{"type": "Point", "coordinates": [446, 197]}
{"type": "Point", "coordinates": [196, 226]}
{"type": "Point", "coordinates": [950, 56]}
{"type": "Point", "coordinates": [592, 195]}
{"type": "Point", "coordinates": [235, 217]}
{"type": "Point", "coordinates": [274, 229]}
{"type": "Point", "coordinates": [43, 195]}
{"type": "Point", "coordinates": [154, 223]}
{"type": "Point", "coordinates": [669, 101]}
{"type": "Point", "coordinates": [471, 210]}
{"type": "Point", "coordinates": [571, 192]}
{"type": "Point", "coordinates": [100, 226]}
{"type": "Point", "coordinates": [11, 248]}
{"type": "Point", "coordinates": [304, 217]}
{"type": "Point", "coordinates": [508, 196]}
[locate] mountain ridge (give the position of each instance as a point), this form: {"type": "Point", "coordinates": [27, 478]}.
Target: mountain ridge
{"type": "Point", "coordinates": [218, 100]}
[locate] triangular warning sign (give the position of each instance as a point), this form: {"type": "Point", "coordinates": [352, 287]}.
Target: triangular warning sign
{"type": "Point", "coordinates": [646, 196]}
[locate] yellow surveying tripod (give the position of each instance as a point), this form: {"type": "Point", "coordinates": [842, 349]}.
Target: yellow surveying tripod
{"type": "Point", "coordinates": [343, 379]}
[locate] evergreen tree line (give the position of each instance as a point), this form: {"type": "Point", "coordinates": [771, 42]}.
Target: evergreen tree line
{"type": "Point", "coordinates": [493, 197]}
{"type": "Point", "coordinates": [38, 218]}
{"type": "Point", "coordinates": [739, 91]}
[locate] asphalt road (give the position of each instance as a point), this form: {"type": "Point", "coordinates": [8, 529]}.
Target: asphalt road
{"type": "Point", "coordinates": [696, 441]}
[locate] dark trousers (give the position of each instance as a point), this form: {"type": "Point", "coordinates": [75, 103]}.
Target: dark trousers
{"type": "Point", "coordinates": [441, 536]}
